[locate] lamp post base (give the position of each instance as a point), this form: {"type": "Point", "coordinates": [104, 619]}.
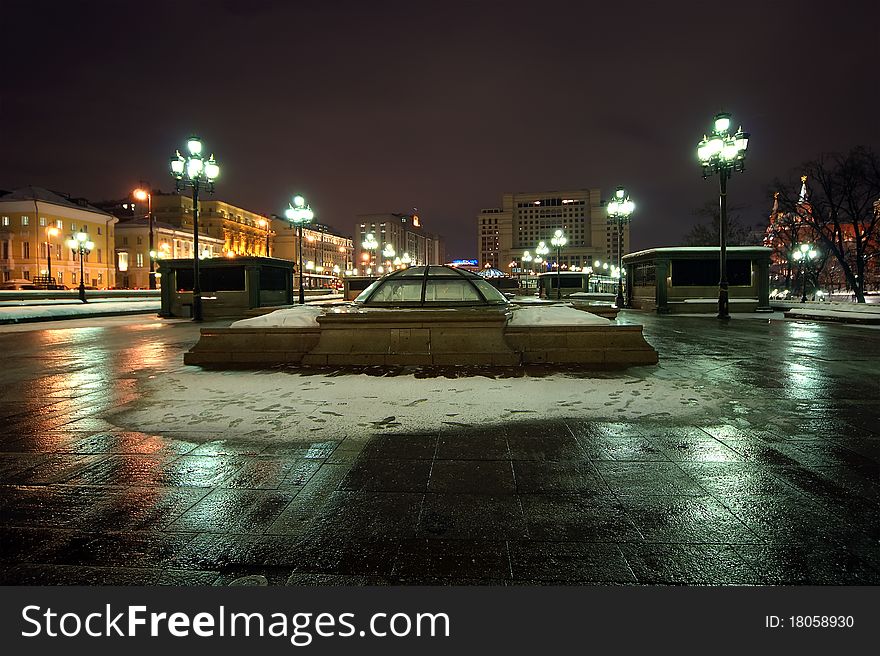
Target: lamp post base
{"type": "Point", "coordinates": [723, 305]}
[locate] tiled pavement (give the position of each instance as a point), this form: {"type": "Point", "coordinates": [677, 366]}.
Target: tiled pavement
{"type": "Point", "coordinates": [788, 497]}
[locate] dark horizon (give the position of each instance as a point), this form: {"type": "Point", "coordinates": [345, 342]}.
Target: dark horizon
{"type": "Point", "coordinates": [382, 107]}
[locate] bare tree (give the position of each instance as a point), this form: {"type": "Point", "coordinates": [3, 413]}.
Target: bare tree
{"type": "Point", "coordinates": [707, 231]}
{"type": "Point", "coordinates": [838, 203]}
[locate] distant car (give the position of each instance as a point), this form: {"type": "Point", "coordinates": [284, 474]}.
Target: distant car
{"type": "Point", "coordinates": [17, 285]}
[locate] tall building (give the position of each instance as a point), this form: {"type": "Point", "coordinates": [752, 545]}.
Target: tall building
{"type": "Point", "coordinates": [527, 218]}
{"type": "Point", "coordinates": [35, 223]}
{"type": "Point", "coordinates": [323, 249]}
{"type": "Point", "coordinates": [403, 233]}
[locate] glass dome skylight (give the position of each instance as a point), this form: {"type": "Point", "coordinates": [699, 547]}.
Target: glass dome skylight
{"type": "Point", "coordinates": [431, 286]}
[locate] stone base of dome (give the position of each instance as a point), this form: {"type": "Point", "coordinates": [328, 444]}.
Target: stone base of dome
{"type": "Point", "coordinates": [443, 338]}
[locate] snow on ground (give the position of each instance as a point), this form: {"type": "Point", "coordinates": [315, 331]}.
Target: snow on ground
{"type": "Point", "coordinates": [833, 313]}
{"type": "Point", "coordinates": [62, 311]}
{"type": "Point", "coordinates": [207, 405]}
{"type": "Point", "coordinates": [555, 315]}
{"type": "Point", "coordinates": [299, 316]}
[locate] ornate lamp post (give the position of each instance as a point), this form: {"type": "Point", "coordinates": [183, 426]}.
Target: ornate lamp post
{"type": "Point", "coordinates": [805, 255]}
{"type": "Point", "coordinates": [300, 214]}
{"type": "Point", "coordinates": [559, 241]}
{"type": "Point", "coordinates": [723, 153]}
{"type": "Point", "coordinates": [370, 244]}
{"type": "Point", "coordinates": [142, 194]}
{"type": "Point", "coordinates": [406, 260]}
{"type": "Point", "coordinates": [541, 250]}
{"type": "Point", "coordinates": [619, 209]}
{"type": "Point", "coordinates": [388, 253]}
{"type": "Point", "coordinates": [51, 231]}
{"type": "Point", "coordinates": [80, 243]}
{"type": "Point", "coordinates": [198, 173]}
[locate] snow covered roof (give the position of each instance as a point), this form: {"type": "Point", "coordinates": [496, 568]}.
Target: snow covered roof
{"type": "Point", "coordinates": [682, 250]}
{"type": "Point", "coordinates": [46, 196]}
{"type": "Point", "coordinates": [431, 286]}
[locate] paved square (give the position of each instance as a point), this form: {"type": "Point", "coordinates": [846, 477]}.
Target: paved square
{"type": "Point", "coordinates": [748, 456]}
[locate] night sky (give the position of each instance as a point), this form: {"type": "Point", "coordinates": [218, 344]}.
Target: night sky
{"type": "Point", "coordinates": [373, 106]}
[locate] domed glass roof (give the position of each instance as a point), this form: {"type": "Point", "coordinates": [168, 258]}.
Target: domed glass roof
{"type": "Point", "coordinates": [430, 286]}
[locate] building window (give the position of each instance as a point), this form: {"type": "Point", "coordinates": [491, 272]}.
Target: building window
{"type": "Point", "coordinates": [60, 276]}
{"type": "Point", "coordinates": [27, 275]}
{"type": "Point", "coordinates": [25, 221]}
{"type": "Point", "coordinates": [73, 278]}
{"type": "Point", "coordinates": [100, 278]}
{"type": "Point", "coordinates": [43, 222]}
{"type": "Point", "coordinates": [73, 227]}
{"type": "Point", "coordinates": [139, 259]}
{"type": "Point", "coordinates": [99, 255]}
{"type": "Point", "coordinates": [123, 261]}
{"type": "Point", "coordinates": [25, 249]}
{"type": "Point", "coordinates": [5, 220]}
{"type": "Point", "coordinates": [139, 240]}
{"type": "Point", "coordinates": [99, 230]}
{"type": "Point", "coordinates": [59, 224]}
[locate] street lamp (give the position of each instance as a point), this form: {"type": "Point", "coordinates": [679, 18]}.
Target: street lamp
{"type": "Point", "coordinates": [196, 172]}
{"type": "Point", "coordinates": [723, 153]}
{"type": "Point", "coordinates": [388, 253]}
{"type": "Point", "coordinates": [299, 213]}
{"type": "Point", "coordinates": [51, 231]}
{"type": "Point", "coordinates": [559, 241]}
{"type": "Point", "coordinates": [619, 209]}
{"type": "Point", "coordinates": [263, 223]}
{"type": "Point", "coordinates": [142, 194]}
{"type": "Point", "coordinates": [541, 250]}
{"type": "Point", "coordinates": [79, 243]}
{"type": "Point", "coordinates": [805, 255]}
{"type": "Point", "coordinates": [406, 260]}
{"type": "Point", "coordinates": [370, 244]}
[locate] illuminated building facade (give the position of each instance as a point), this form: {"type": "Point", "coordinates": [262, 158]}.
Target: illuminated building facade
{"type": "Point", "coordinates": [403, 233]}
{"type": "Point", "coordinates": [526, 218]}
{"type": "Point", "coordinates": [34, 225]}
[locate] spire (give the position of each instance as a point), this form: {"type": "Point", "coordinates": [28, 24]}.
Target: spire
{"type": "Point", "coordinates": [802, 198]}
{"type": "Point", "coordinates": [774, 211]}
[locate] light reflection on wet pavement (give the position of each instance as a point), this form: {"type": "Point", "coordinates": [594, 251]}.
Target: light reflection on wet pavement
{"type": "Point", "coordinates": [782, 486]}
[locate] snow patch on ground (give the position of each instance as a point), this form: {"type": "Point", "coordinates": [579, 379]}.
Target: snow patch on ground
{"type": "Point", "coordinates": [207, 405]}
{"type": "Point", "coordinates": [299, 316]}
{"type": "Point", "coordinates": [36, 312]}
{"type": "Point", "coordinates": [555, 315]}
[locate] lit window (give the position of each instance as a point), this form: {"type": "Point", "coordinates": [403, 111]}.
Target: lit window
{"type": "Point", "coordinates": [25, 220]}
{"type": "Point", "coordinates": [43, 223]}
{"type": "Point", "coordinates": [59, 224]}
{"type": "Point", "coordinates": [139, 258]}
{"type": "Point", "coordinates": [4, 221]}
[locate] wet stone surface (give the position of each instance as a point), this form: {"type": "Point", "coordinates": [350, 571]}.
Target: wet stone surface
{"type": "Point", "coordinates": [779, 486]}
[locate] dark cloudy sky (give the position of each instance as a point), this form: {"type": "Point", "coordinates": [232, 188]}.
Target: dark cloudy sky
{"type": "Point", "coordinates": [371, 106]}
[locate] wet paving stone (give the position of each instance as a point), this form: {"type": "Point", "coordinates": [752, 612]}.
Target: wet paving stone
{"type": "Point", "coordinates": [552, 476]}
{"type": "Point", "coordinates": [677, 520]}
{"type": "Point", "coordinates": [51, 506]}
{"type": "Point", "coordinates": [373, 475]}
{"type": "Point", "coordinates": [77, 575]}
{"type": "Point", "coordinates": [198, 471]}
{"type": "Point", "coordinates": [366, 515]}
{"type": "Point", "coordinates": [472, 516]}
{"type": "Point", "coordinates": [221, 552]}
{"type": "Point", "coordinates": [689, 564]}
{"type": "Point", "coordinates": [549, 446]}
{"type": "Point", "coordinates": [489, 477]}
{"type": "Point", "coordinates": [234, 511]}
{"type": "Point", "coordinates": [810, 565]}
{"type": "Point", "coordinates": [323, 554]}
{"type": "Point", "coordinates": [272, 473]}
{"type": "Point", "coordinates": [639, 479]}
{"type": "Point", "coordinates": [128, 549]}
{"type": "Point", "coordinates": [569, 562]}
{"type": "Point", "coordinates": [142, 508]}
{"type": "Point", "coordinates": [453, 446]}
{"type": "Point", "coordinates": [401, 447]}
{"type": "Point", "coordinates": [452, 560]}
{"type": "Point", "coordinates": [56, 468]}
{"type": "Point", "coordinates": [577, 518]}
